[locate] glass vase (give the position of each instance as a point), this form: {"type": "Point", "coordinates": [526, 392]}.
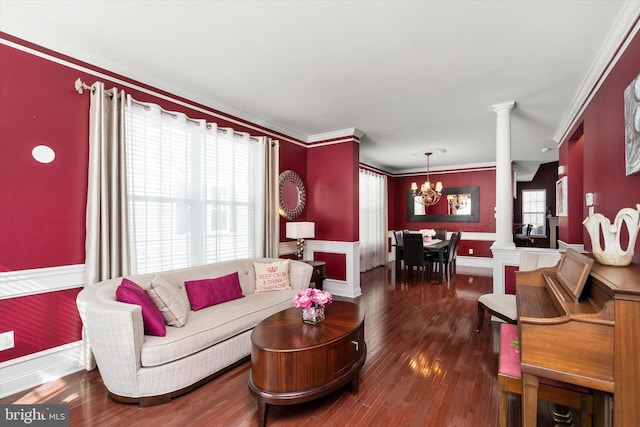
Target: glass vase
{"type": "Point", "coordinates": [313, 315]}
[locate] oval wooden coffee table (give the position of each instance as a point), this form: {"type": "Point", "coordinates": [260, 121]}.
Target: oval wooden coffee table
{"type": "Point", "coordinates": [294, 362]}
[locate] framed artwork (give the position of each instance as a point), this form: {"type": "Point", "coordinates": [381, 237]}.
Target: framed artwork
{"type": "Point", "coordinates": [632, 126]}
{"type": "Point", "coordinates": [561, 197]}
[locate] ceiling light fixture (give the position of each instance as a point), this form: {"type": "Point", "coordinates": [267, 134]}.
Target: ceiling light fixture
{"type": "Point", "coordinates": [428, 195]}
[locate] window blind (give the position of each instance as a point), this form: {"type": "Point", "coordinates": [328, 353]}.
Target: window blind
{"type": "Point", "coordinates": [192, 190]}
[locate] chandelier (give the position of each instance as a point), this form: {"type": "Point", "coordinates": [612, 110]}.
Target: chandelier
{"type": "Point", "coordinates": [427, 195]}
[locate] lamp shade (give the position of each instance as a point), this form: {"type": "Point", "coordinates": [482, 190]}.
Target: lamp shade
{"type": "Point", "coordinates": [301, 230]}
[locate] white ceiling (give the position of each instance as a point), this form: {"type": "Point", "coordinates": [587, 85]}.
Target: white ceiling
{"type": "Point", "coordinates": [411, 75]}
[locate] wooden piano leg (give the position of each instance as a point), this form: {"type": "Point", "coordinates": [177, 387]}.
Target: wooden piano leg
{"type": "Point", "coordinates": [529, 400]}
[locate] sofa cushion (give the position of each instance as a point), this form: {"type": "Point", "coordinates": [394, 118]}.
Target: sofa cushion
{"type": "Point", "coordinates": [272, 276]}
{"type": "Point", "coordinates": [207, 292]}
{"type": "Point", "coordinates": [169, 299]}
{"type": "Point", "coordinates": [129, 292]}
{"type": "Point", "coordinates": [213, 325]}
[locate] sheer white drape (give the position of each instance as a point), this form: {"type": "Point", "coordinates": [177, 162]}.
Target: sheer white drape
{"type": "Point", "coordinates": [107, 251]}
{"type": "Point", "coordinates": [196, 191]}
{"type": "Point", "coordinates": [373, 220]}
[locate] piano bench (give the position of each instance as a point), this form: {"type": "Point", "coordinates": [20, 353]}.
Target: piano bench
{"type": "Point", "coordinates": [503, 306]}
{"type": "Point", "coordinates": [510, 381]}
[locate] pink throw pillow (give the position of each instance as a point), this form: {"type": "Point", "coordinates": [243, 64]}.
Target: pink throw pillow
{"type": "Point", "coordinates": [207, 292]}
{"type": "Point", "coordinates": [152, 318]}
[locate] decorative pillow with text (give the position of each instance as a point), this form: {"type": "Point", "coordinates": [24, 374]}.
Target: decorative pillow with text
{"type": "Point", "coordinates": [272, 276]}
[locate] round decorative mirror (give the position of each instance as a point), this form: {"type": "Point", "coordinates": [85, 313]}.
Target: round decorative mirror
{"type": "Point", "coordinates": [292, 195]}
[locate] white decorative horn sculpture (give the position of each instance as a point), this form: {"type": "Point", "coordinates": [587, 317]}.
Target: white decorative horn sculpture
{"type": "Point", "coordinates": [612, 254]}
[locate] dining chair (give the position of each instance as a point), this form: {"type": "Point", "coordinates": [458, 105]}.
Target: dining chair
{"type": "Point", "coordinates": [524, 235]}
{"type": "Point", "coordinates": [441, 233]}
{"type": "Point", "coordinates": [503, 306]}
{"type": "Point", "coordinates": [450, 255]}
{"type": "Point", "coordinates": [455, 252]}
{"type": "Point", "coordinates": [397, 235]}
{"type": "Point", "coordinates": [414, 254]}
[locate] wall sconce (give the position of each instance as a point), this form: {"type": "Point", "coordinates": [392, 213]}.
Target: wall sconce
{"type": "Point", "coordinates": [300, 231]}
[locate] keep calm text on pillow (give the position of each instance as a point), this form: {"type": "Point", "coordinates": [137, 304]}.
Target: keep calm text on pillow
{"type": "Point", "coordinates": [272, 276]}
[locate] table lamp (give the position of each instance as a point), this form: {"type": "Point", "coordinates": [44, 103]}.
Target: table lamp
{"type": "Point", "coordinates": [300, 231]}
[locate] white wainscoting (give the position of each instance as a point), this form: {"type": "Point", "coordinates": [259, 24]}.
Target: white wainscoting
{"type": "Point", "coordinates": [351, 286]}
{"type": "Point", "coordinates": [503, 257]}
{"type": "Point", "coordinates": [36, 281]}
{"type": "Point", "coordinates": [347, 288]}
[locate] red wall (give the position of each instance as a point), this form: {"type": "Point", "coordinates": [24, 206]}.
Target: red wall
{"type": "Point", "coordinates": [572, 156]}
{"type": "Point", "coordinates": [336, 267]}
{"type": "Point", "coordinates": [40, 322]}
{"type": "Point", "coordinates": [510, 279]}
{"type": "Point", "coordinates": [43, 205]}
{"type": "Point", "coordinates": [294, 157]}
{"type": "Point", "coordinates": [485, 179]}
{"type": "Point", "coordinates": [332, 174]}
{"type": "Point", "coordinates": [603, 153]}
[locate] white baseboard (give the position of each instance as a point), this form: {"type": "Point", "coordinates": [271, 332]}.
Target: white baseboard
{"type": "Point", "coordinates": [470, 261]}
{"type": "Point", "coordinates": [474, 265]}
{"type": "Point", "coordinates": [341, 288]}
{"type": "Point", "coordinates": [30, 371]}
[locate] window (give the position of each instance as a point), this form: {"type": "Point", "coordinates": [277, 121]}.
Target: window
{"type": "Point", "coordinates": [192, 190]}
{"type": "Point", "coordinates": [534, 210]}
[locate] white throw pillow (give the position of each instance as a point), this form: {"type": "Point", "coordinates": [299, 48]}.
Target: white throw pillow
{"type": "Point", "coordinates": [272, 276]}
{"type": "Point", "coordinates": [169, 300]}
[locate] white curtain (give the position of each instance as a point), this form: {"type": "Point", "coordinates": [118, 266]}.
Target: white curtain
{"type": "Point", "coordinates": [197, 192]}
{"type": "Point", "coordinates": [373, 220]}
{"type": "Point", "coordinates": [107, 251]}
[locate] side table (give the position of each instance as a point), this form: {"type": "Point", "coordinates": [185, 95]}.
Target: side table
{"type": "Point", "coordinates": [319, 273]}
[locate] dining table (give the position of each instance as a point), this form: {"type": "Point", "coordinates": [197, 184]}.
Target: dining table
{"type": "Point", "coordinates": [433, 246]}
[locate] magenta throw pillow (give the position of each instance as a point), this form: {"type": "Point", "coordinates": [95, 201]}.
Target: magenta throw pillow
{"type": "Point", "coordinates": [207, 292]}
{"type": "Point", "coordinates": [152, 318]}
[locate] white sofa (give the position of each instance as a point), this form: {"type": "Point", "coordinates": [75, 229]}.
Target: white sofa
{"type": "Point", "coordinates": [150, 369]}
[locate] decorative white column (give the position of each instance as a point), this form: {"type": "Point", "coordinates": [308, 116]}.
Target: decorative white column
{"type": "Point", "coordinates": [504, 177]}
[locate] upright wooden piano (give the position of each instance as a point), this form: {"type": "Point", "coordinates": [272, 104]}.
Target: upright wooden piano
{"type": "Point", "coordinates": [579, 323]}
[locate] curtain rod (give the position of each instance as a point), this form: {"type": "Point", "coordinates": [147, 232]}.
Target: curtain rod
{"type": "Point", "coordinates": [82, 86]}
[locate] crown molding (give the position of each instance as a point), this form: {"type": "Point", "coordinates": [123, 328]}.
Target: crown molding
{"type": "Point", "coordinates": [349, 132]}
{"type": "Point", "coordinates": [621, 33]}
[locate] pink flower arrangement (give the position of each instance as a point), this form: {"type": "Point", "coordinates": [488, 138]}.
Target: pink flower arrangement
{"type": "Point", "coordinates": [427, 234]}
{"type": "Point", "coordinates": [312, 297]}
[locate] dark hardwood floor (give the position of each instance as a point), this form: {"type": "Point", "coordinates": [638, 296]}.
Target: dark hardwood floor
{"type": "Point", "coordinates": [426, 366]}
